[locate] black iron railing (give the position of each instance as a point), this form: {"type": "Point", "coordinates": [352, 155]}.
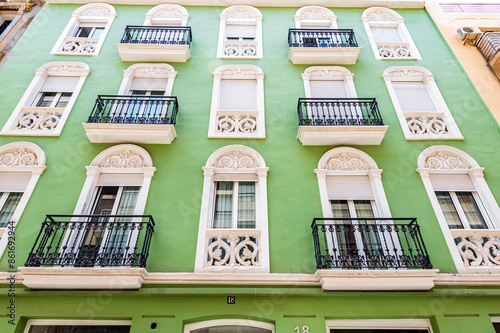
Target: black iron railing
{"type": "Point", "coordinates": [92, 241]}
{"type": "Point", "coordinates": [489, 45]}
{"type": "Point", "coordinates": [321, 38]}
{"type": "Point", "coordinates": [126, 109]}
{"type": "Point", "coordinates": [136, 34]}
{"type": "Point", "coordinates": [338, 111]}
{"type": "Point", "coordinates": [350, 243]}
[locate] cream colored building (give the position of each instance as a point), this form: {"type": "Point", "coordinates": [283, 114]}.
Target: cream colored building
{"type": "Point", "coordinates": [485, 17]}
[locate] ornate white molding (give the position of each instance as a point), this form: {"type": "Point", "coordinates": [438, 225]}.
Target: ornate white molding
{"type": "Point", "coordinates": [326, 73]}
{"type": "Point", "coordinates": [346, 159]}
{"type": "Point", "coordinates": [478, 248]}
{"type": "Point", "coordinates": [250, 71]}
{"type": "Point", "coordinates": [314, 13]}
{"type": "Point", "coordinates": [151, 70]}
{"type": "Point", "coordinates": [21, 154]}
{"type": "Point", "coordinates": [398, 50]}
{"type": "Point", "coordinates": [397, 73]}
{"type": "Point", "coordinates": [240, 49]}
{"type": "Point", "coordinates": [96, 9]}
{"type": "Point", "coordinates": [445, 158]}
{"type": "Point", "coordinates": [168, 11]}
{"type": "Point", "coordinates": [380, 14]}
{"type": "Point", "coordinates": [234, 157]}
{"type": "Point", "coordinates": [123, 156]}
{"type": "Point", "coordinates": [241, 12]}
{"type": "Point", "coordinates": [237, 122]}
{"type": "Point", "coordinates": [427, 123]}
{"type": "Point", "coordinates": [59, 68]}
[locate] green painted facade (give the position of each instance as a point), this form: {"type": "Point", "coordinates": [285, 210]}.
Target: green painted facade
{"type": "Point", "coordinates": [174, 198]}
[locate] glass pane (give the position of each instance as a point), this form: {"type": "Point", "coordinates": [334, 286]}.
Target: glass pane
{"type": "Point", "coordinates": [369, 235]}
{"type": "Point", "coordinates": [223, 205]}
{"type": "Point", "coordinates": [246, 205]}
{"type": "Point", "coordinates": [363, 208]}
{"type": "Point", "coordinates": [46, 99]}
{"type": "Point", "coordinates": [119, 238]}
{"type": "Point", "coordinates": [471, 210]}
{"type": "Point", "coordinates": [79, 329]}
{"type": "Point", "coordinates": [97, 32]}
{"type": "Point", "coordinates": [380, 330]}
{"type": "Point", "coordinates": [340, 208]}
{"type": "Point", "coordinates": [231, 329]}
{"type": "Point", "coordinates": [64, 100]}
{"type": "Point", "coordinates": [449, 210]}
{"type": "Point", "coordinates": [84, 32]}
{"type": "Point", "coordinates": [9, 207]}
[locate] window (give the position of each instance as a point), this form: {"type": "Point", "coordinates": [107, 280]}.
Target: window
{"type": "Point", "coordinates": [240, 33]}
{"type": "Point", "coordinates": [328, 82]}
{"type": "Point", "coordinates": [237, 109]}
{"type": "Point", "coordinates": [315, 17]}
{"type": "Point", "coordinates": [167, 15]}
{"type": "Point", "coordinates": [379, 326]}
{"type": "Point", "coordinates": [45, 106]}
{"type": "Point", "coordinates": [232, 325]}
{"type": "Point", "coordinates": [388, 35]}
{"type": "Point", "coordinates": [69, 326]}
{"type": "Point", "coordinates": [464, 206]}
{"type": "Point", "coordinates": [21, 165]}
{"type": "Point", "coordinates": [233, 233]}
{"type": "Point", "coordinates": [420, 107]}
{"type": "Point", "coordinates": [5, 21]}
{"type": "Point", "coordinates": [86, 30]}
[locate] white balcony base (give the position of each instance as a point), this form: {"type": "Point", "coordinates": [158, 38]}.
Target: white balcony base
{"type": "Point", "coordinates": [341, 135]}
{"type": "Point", "coordinates": [129, 133]}
{"type": "Point", "coordinates": [324, 55]}
{"type": "Point", "coordinates": [83, 278]}
{"type": "Point", "coordinates": [153, 52]}
{"type": "Point", "coordinates": [373, 280]}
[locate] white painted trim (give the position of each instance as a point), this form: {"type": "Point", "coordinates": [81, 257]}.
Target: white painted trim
{"type": "Point", "coordinates": [35, 169]}
{"type": "Point", "coordinates": [52, 69]}
{"type": "Point", "coordinates": [495, 319]}
{"type": "Point", "coordinates": [475, 172]}
{"type": "Point", "coordinates": [176, 11]}
{"type": "Point", "coordinates": [420, 74]}
{"type": "Point", "coordinates": [79, 16]}
{"type": "Point", "coordinates": [150, 71]}
{"type": "Point", "coordinates": [330, 19]}
{"type": "Point", "coordinates": [59, 322]}
{"type": "Point", "coordinates": [239, 72]}
{"type": "Point", "coordinates": [226, 322]}
{"type": "Point", "coordinates": [262, 3]}
{"type": "Point", "coordinates": [210, 170]}
{"type": "Point", "coordinates": [329, 73]}
{"type": "Point", "coordinates": [379, 323]}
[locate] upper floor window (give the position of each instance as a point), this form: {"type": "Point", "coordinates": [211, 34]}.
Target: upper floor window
{"type": "Point", "coordinates": [5, 21]}
{"type": "Point", "coordinates": [233, 232]}
{"type": "Point", "coordinates": [237, 109]}
{"type": "Point", "coordinates": [167, 15]}
{"type": "Point", "coordinates": [240, 33]}
{"type": "Point", "coordinates": [388, 34]}
{"type": "Point", "coordinates": [464, 206]}
{"type": "Point", "coordinates": [421, 109]}
{"type": "Point", "coordinates": [86, 30]}
{"type": "Point", "coordinates": [315, 17]}
{"type": "Point", "coordinates": [328, 82]}
{"type": "Point", "coordinates": [47, 103]}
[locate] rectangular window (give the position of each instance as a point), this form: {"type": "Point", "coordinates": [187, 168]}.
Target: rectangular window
{"type": "Point", "coordinates": [413, 96]}
{"type": "Point", "coordinates": [53, 99]}
{"type": "Point", "coordinates": [328, 89]}
{"type": "Point", "coordinates": [462, 210]}
{"type": "Point", "coordinates": [4, 25]}
{"type": "Point", "coordinates": [380, 330]}
{"type": "Point", "coordinates": [8, 205]}
{"type": "Point", "coordinates": [77, 329]}
{"type": "Point", "coordinates": [386, 34]}
{"type": "Point", "coordinates": [89, 32]}
{"type": "Point", "coordinates": [238, 95]}
{"type": "Point", "coordinates": [235, 205]}
{"type": "Point", "coordinates": [241, 32]}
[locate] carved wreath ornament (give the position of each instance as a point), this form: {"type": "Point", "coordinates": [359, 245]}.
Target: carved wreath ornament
{"type": "Point", "coordinates": [445, 161]}
{"type": "Point", "coordinates": [123, 159]}
{"type": "Point", "coordinates": [344, 161]}
{"type": "Point", "coordinates": [235, 160]}
{"type": "Point", "coordinates": [315, 14]}
{"type": "Point", "coordinates": [96, 11]}
{"type": "Point", "coordinates": [19, 157]}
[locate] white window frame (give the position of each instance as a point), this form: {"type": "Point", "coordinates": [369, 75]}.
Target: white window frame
{"type": "Point", "coordinates": [379, 324]}
{"type": "Point", "coordinates": [446, 160]}
{"type": "Point", "coordinates": [52, 69]}
{"type": "Point", "coordinates": [166, 14]}
{"type": "Point", "coordinates": [149, 71]}
{"type": "Point", "coordinates": [188, 328]}
{"type": "Point", "coordinates": [241, 15]}
{"type": "Point", "coordinates": [421, 74]}
{"type": "Point", "coordinates": [8, 16]}
{"type": "Point", "coordinates": [237, 72]}
{"type": "Point", "coordinates": [329, 73]}
{"type": "Point", "coordinates": [72, 322]}
{"type": "Point", "coordinates": [20, 157]}
{"type": "Point", "coordinates": [317, 15]}
{"type": "Point", "coordinates": [385, 17]}
{"type": "Point", "coordinates": [234, 163]}
{"type": "Point", "coordinates": [96, 13]}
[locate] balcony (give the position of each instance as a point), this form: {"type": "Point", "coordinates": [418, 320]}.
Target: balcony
{"type": "Point", "coordinates": [371, 254]}
{"type": "Point", "coordinates": [155, 44]}
{"type": "Point", "coordinates": [337, 121]}
{"type": "Point", "coordinates": [136, 119]}
{"type": "Point", "coordinates": [323, 46]}
{"type": "Point", "coordinates": [89, 252]}
{"type": "Point", "coordinates": [479, 249]}
{"type": "Point", "coordinates": [78, 46]}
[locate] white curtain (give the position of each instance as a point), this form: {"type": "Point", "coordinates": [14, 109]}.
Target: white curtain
{"type": "Point", "coordinates": [246, 205]}
{"type": "Point", "coordinates": [223, 205]}
{"type": "Point", "coordinates": [9, 207]}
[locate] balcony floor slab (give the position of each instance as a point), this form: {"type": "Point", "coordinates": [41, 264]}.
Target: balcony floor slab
{"type": "Point", "coordinates": [130, 133]}
{"type": "Point", "coordinates": [341, 135]}
{"type": "Point", "coordinates": [153, 52]}
{"type": "Point", "coordinates": [324, 55]}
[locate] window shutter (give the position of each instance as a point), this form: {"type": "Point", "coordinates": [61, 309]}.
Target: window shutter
{"type": "Point", "coordinates": [413, 96]}
{"type": "Point", "coordinates": [120, 179]}
{"type": "Point", "coordinates": [14, 181]}
{"type": "Point", "coordinates": [386, 34]}
{"type": "Point", "coordinates": [60, 84]}
{"type": "Point", "coordinates": [238, 95]}
{"type": "Point", "coordinates": [349, 188]}
{"type": "Point", "coordinates": [452, 183]}
{"type": "Point", "coordinates": [142, 83]}
{"type": "Point", "coordinates": [328, 89]}
{"type": "Point", "coordinates": [233, 30]}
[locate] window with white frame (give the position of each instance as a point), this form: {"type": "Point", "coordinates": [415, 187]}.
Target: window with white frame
{"type": "Point", "coordinates": [464, 206]}
{"type": "Point", "coordinates": [45, 106]}
{"type": "Point", "coordinates": [420, 107]}
{"type": "Point", "coordinates": [234, 325]}
{"type": "Point", "coordinates": [67, 326]}
{"type": "Point", "coordinates": [86, 30]}
{"type": "Point", "coordinates": [379, 325]}
{"type": "Point", "coordinates": [233, 232]}
{"type": "Point", "coordinates": [21, 164]}
{"type": "Point", "coordinates": [240, 33]}
{"type": "Point", "coordinates": [5, 21]}
{"type": "Point", "coordinates": [388, 35]}
{"type": "Point", "coordinates": [167, 15]}
{"type": "Point", "coordinates": [315, 17]}
{"type": "Point", "coordinates": [237, 109]}
{"type": "Point", "coordinates": [328, 82]}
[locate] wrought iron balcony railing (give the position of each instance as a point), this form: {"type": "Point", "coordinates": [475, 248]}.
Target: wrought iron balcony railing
{"type": "Point", "coordinates": [338, 112]}
{"type": "Point", "coordinates": [136, 34]}
{"type": "Point", "coordinates": [126, 109]}
{"type": "Point", "coordinates": [369, 243]}
{"type": "Point", "coordinates": [92, 241]}
{"type": "Point", "coordinates": [321, 38]}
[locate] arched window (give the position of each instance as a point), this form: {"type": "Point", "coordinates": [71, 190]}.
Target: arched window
{"type": "Point", "coordinates": [237, 109]}
{"type": "Point", "coordinates": [148, 80]}
{"type": "Point", "coordinates": [167, 15]}
{"type": "Point", "coordinates": [47, 102]}
{"type": "Point", "coordinates": [234, 325]}
{"type": "Point", "coordinates": [86, 30]}
{"type": "Point", "coordinates": [21, 164]}
{"type": "Point", "coordinates": [421, 109]}
{"type": "Point", "coordinates": [388, 35]}
{"type": "Point", "coordinates": [233, 232]}
{"type": "Point", "coordinates": [240, 33]}
{"type": "Point", "coordinates": [328, 82]}
{"type": "Point", "coordinates": [465, 208]}
{"type": "Point", "coordinates": [315, 17]}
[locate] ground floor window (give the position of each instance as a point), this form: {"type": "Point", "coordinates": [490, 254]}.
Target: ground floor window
{"type": "Point", "coordinates": [229, 326]}
{"type": "Point", "coordinates": [379, 326]}
{"type": "Point", "coordinates": [77, 326]}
